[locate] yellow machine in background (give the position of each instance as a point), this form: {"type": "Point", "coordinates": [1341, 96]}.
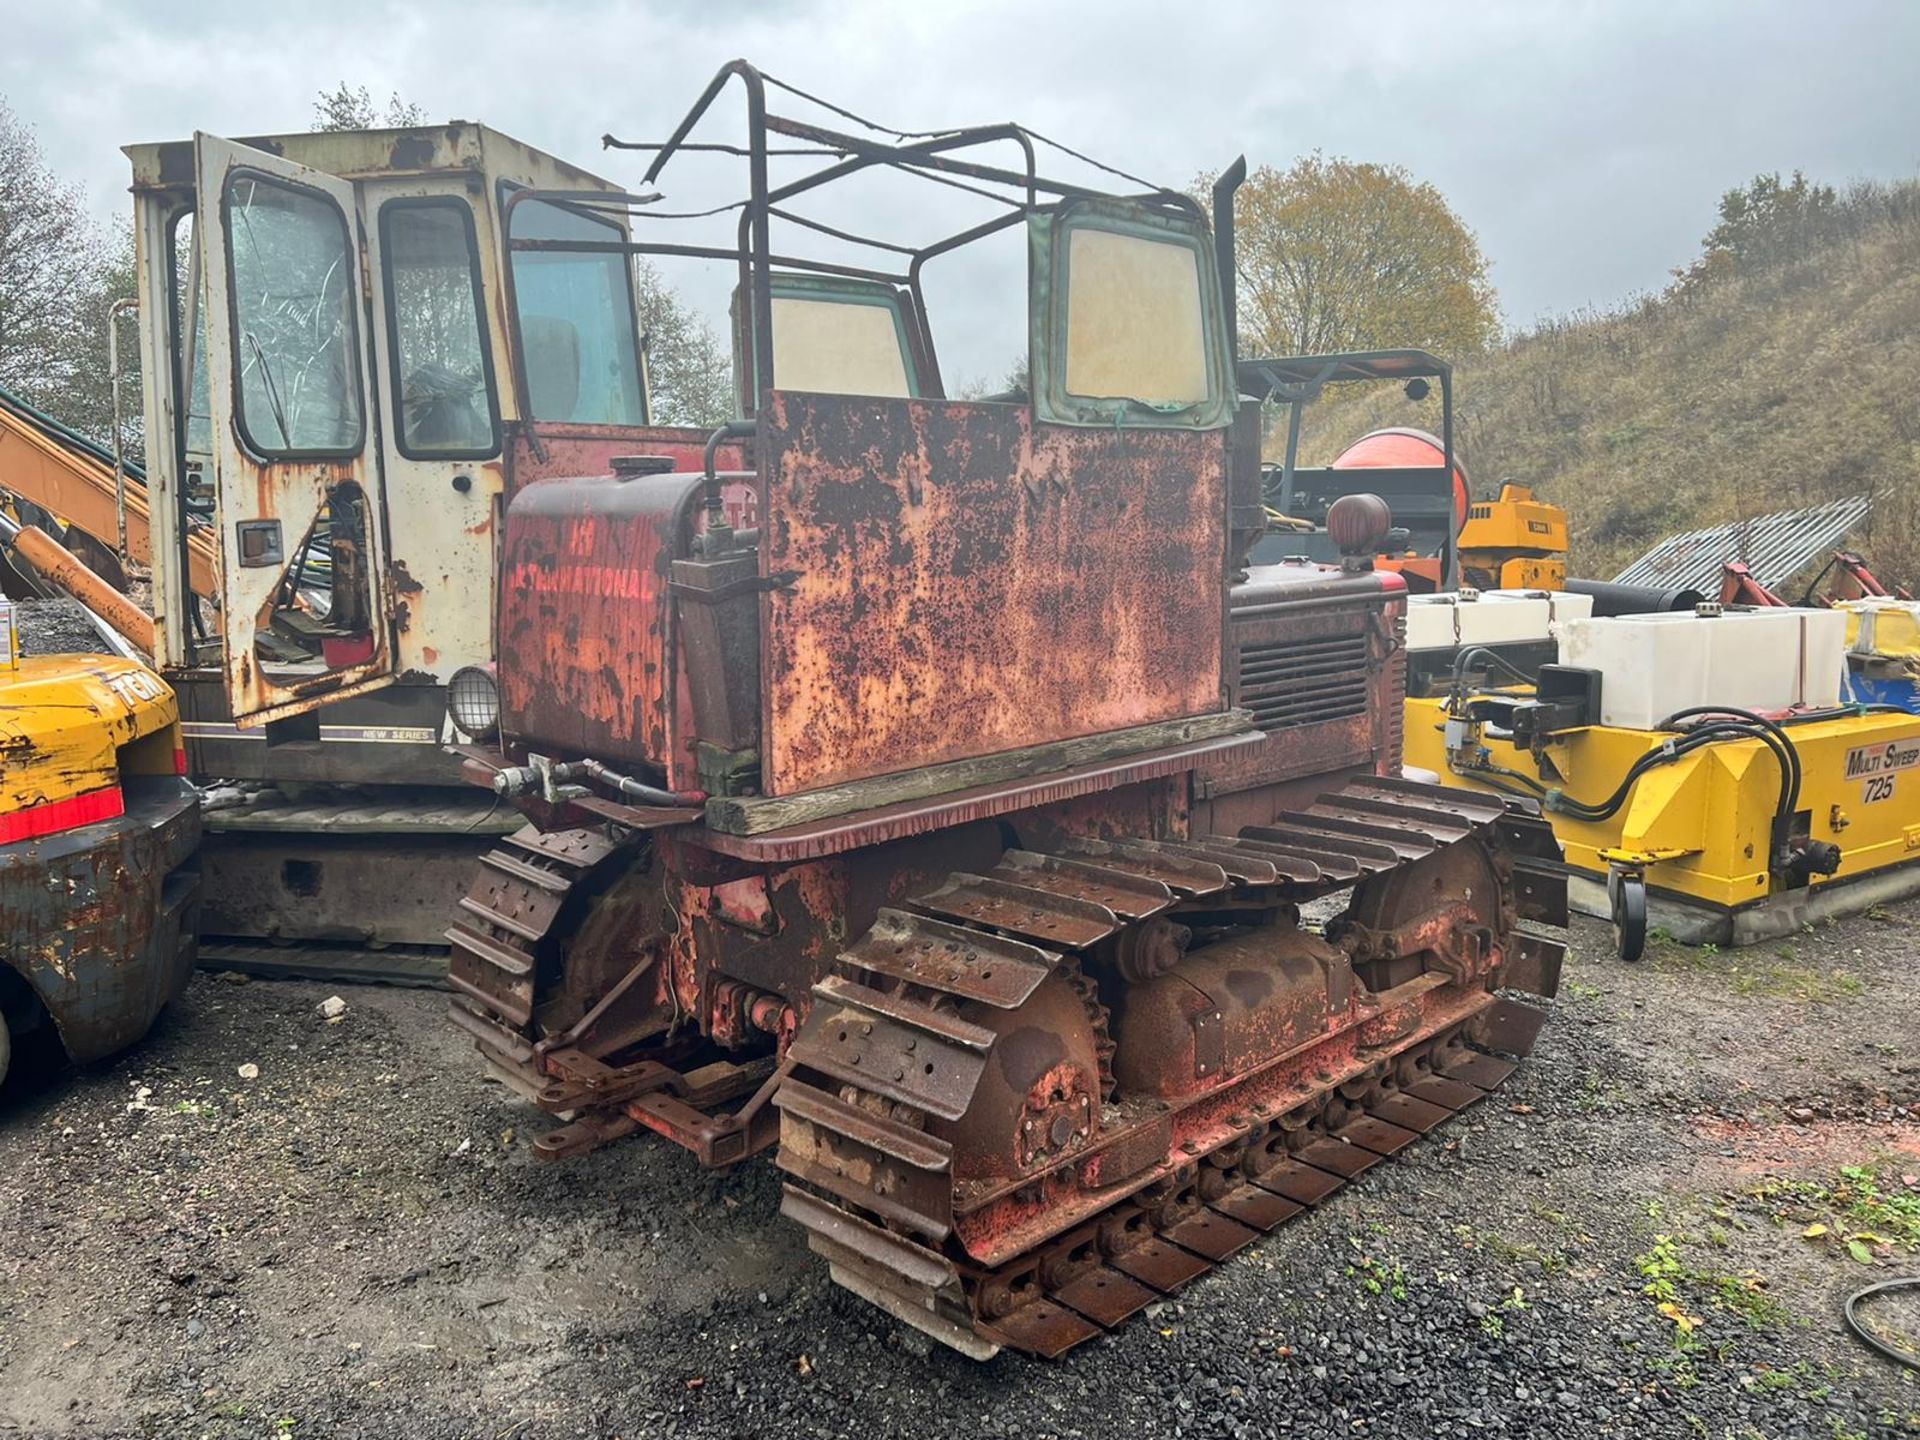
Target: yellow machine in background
{"type": "Point", "coordinates": [1514, 543]}
{"type": "Point", "coordinates": [1706, 767]}
{"type": "Point", "coordinates": [99, 885]}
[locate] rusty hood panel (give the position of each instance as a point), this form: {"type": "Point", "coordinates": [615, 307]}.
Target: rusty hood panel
{"type": "Point", "coordinates": [967, 582]}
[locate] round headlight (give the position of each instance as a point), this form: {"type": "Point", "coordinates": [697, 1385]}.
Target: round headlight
{"type": "Point", "coordinates": [473, 701]}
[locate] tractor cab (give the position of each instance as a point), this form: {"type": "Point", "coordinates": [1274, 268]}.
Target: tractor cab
{"type": "Point", "coordinates": [1414, 471]}
{"type": "Point", "coordinates": [331, 405]}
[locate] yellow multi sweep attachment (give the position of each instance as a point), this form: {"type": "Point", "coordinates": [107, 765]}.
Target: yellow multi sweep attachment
{"type": "Point", "coordinates": [1702, 828]}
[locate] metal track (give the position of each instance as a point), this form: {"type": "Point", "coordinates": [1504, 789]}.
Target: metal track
{"type": "Point", "coordinates": [516, 901]}
{"type": "Point", "coordinates": [885, 1047]}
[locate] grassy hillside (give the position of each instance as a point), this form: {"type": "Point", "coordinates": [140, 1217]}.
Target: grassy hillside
{"type": "Point", "coordinates": [1753, 385]}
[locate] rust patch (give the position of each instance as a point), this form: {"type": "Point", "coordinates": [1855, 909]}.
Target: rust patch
{"type": "Point", "coordinates": [969, 582]}
{"type": "Point", "coordinates": [1821, 1147]}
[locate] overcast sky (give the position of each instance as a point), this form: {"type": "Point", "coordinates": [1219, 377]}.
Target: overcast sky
{"type": "Point", "coordinates": [1586, 144]}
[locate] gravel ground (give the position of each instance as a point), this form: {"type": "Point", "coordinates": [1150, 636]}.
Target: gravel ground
{"type": "Point", "coordinates": [55, 627]}
{"type": "Point", "coordinates": [357, 1242]}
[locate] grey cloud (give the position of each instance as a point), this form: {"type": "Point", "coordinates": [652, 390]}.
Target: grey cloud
{"type": "Point", "coordinates": [1586, 143]}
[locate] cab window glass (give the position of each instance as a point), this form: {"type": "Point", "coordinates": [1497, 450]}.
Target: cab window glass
{"type": "Point", "coordinates": [578, 336]}
{"type": "Point", "coordinates": [1135, 327]}
{"type": "Point", "coordinates": [291, 265]}
{"type": "Point", "coordinates": [838, 347]}
{"type": "Point", "coordinates": [442, 374]}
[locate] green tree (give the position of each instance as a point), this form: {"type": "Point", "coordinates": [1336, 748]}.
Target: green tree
{"type": "Point", "coordinates": [1337, 255]}
{"type": "Point", "coordinates": [347, 108]}
{"type": "Point", "coordinates": [1767, 222]}
{"type": "Point", "coordinates": [690, 376]}
{"type": "Point", "coordinates": [52, 259]}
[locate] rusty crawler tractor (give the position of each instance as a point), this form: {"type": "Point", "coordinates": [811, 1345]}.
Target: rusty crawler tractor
{"type": "Point", "coordinates": [919, 787]}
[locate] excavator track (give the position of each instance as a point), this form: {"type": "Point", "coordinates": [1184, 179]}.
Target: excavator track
{"type": "Point", "coordinates": [1125, 1198]}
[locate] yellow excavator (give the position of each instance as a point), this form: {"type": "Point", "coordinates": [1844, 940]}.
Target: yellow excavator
{"type": "Point", "coordinates": [99, 884]}
{"type": "Point", "coordinates": [99, 828]}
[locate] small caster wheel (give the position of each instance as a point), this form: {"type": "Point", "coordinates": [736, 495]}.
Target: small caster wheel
{"type": "Point", "coordinates": [1629, 893]}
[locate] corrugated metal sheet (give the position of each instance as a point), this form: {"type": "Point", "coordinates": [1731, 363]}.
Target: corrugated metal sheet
{"type": "Point", "coordinates": [1775, 547]}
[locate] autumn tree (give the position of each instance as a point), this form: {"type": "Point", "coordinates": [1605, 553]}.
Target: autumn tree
{"type": "Point", "coordinates": [1335, 255]}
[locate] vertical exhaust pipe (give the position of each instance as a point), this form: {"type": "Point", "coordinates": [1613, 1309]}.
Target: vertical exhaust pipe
{"type": "Point", "coordinates": [1230, 180]}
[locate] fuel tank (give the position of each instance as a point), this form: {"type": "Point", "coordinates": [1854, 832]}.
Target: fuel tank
{"type": "Point", "coordinates": [584, 614]}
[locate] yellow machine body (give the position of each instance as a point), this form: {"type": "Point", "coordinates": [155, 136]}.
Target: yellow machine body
{"type": "Point", "coordinates": [70, 725]}
{"type": "Point", "coordinates": [99, 834]}
{"type": "Point", "coordinates": [1702, 827]}
{"type": "Point", "coordinates": [1883, 629]}
{"type": "Point", "coordinates": [1516, 542]}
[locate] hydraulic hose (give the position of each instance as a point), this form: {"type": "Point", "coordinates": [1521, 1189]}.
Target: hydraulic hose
{"type": "Point", "coordinates": [1461, 660]}
{"type": "Point", "coordinates": [1756, 720]}
{"type": "Point", "coordinates": [1867, 1337]}
{"type": "Point", "coordinates": [638, 789]}
{"type": "Point", "coordinates": [1652, 760]}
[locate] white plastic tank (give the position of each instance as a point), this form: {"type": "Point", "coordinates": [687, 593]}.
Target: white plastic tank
{"type": "Point", "coordinates": [1823, 652]}
{"type": "Point", "coordinates": [1499, 617]}
{"type": "Point", "coordinates": [1654, 665]}
{"type": "Point", "coordinates": [1650, 665]}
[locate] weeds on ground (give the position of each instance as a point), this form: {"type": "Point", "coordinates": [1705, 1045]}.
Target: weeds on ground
{"type": "Point", "coordinates": [1678, 1287]}
{"type": "Point", "coordinates": [1866, 1212]}
{"type": "Point", "coordinates": [1377, 1277]}
{"type": "Point", "coordinates": [1596, 1099]}
{"type": "Point", "coordinates": [1550, 1258]}
{"type": "Point", "coordinates": [1782, 975]}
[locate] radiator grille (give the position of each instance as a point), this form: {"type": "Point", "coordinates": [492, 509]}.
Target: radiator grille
{"type": "Point", "coordinates": [1304, 682]}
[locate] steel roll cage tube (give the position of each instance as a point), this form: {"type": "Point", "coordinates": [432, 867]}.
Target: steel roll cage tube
{"type": "Point", "coordinates": [924, 158]}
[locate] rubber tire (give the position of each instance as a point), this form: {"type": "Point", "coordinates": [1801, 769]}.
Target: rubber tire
{"type": "Point", "coordinates": [1630, 918]}
{"type": "Point", "coordinates": [6, 1049]}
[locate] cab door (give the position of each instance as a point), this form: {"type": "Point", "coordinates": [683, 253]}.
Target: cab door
{"type": "Point", "coordinates": [300, 505]}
